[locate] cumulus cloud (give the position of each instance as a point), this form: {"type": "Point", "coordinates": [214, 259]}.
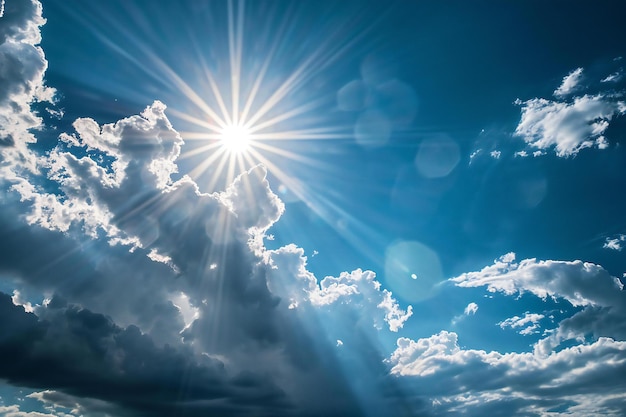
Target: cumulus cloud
{"type": "Point", "coordinates": [568, 124]}
{"type": "Point", "coordinates": [171, 243]}
{"type": "Point", "coordinates": [570, 83]}
{"type": "Point", "coordinates": [138, 284]}
{"type": "Point", "coordinates": [290, 279]}
{"type": "Point", "coordinates": [21, 84]}
{"type": "Point", "coordinates": [585, 377]}
{"type": "Point", "coordinates": [582, 284]}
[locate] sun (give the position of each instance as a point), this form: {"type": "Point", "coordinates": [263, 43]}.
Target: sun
{"type": "Point", "coordinates": [235, 139]}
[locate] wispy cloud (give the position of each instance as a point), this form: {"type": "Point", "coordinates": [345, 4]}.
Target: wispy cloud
{"type": "Point", "coordinates": [614, 243]}
{"type": "Point", "coordinates": [529, 323]}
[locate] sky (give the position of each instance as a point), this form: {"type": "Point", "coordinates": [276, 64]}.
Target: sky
{"type": "Point", "coordinates": [297, 208]}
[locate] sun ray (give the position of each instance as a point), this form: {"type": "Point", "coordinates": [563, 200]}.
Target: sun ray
{"type": "Point", "coordinates": [266, 63]}
{"type": "Point", "coordinates": [195, 120]}
{"type": "Point", "coordinates": [286, 115]}
{"type": "Point", "coordinates": [197, 151]}
{"type": "Point", "coordinates": [304, 134]}
{"type": "Point", "coordinates": [235, 46]}
{"type": "Point", "coordinates": [287, 154]}
{"type": "Point", "coordinates": [204, 165]}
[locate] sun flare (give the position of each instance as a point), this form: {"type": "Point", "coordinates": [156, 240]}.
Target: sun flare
{"type": "Point", "coordinates": [235, 139]}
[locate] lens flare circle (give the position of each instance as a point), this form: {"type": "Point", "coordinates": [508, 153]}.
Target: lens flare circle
{"type": "Point", "coordinates": [235, 139]}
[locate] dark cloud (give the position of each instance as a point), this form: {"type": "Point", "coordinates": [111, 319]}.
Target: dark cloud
{"type": "Point", "coordinates": [86, 354]}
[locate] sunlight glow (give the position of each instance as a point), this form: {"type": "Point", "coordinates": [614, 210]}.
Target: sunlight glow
{"type": "Point", "coordinates": [235, 139]}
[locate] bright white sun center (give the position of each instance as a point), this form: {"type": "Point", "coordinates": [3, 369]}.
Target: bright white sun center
{"type": "Point", "coordinates": [235, 139]}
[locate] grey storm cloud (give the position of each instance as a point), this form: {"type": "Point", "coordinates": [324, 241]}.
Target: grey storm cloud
{"type": "Point", "coordinates": [86, 354]}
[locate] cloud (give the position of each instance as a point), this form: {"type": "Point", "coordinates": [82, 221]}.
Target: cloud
{"type": "Point", "coordinates": [65, 405]}
{"type": "Point", "coordinates": [141, 284]}
{"type": "Point", "coordinates": [88, 355]}
{"type": "Point", "coordinates": [290, 279]}
{"type": "Point", "coordinates": [584, 378]}
{"type": "Point", "coordinates": [614, 243]}
{"type": "Point", "coordinates": [530, 323]}
{"type": "Point", "coordinates": [14, 410]}
{"type": "Point", "coordinates": [612, 78]}
{"type": "Point", "coordinates": [21, 84]}
{"type": "Point", "coordinates": [580, 283]}
{"type": "Point", "coordinates": [568, 125]}
{"type": "Point", "coordinates": [471, 308]}
{"type": "Point", "coordinates": [570, 83]}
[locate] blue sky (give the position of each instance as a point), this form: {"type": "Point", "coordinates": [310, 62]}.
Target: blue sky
{"type": "Point", "coordinates": [361, 208]}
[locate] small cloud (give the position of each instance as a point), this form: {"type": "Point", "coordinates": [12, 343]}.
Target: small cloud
{"type": "Point", "coordinates": [529, 323]}
{"type": "Point", "coordinates": [55, 113]}
{"type": "Point", "coordinates": [471, 308]}
{"type": "Point", "coordinates": [570, 83]}
{"type": "Point", "coordinates": [521, 154]}
{"type": "Point", "coordinates": [495, 154]}
{"type": "Point", "coordinates": [475, 154]}
{"type": "Point", "coordinates": [614, 243]}
{"type": "Point", "coordinates": [612, 78]}
{"type": "Point", "coordinates": [339, 342]}
{"type": "Point", "coordinates": [314, 253]}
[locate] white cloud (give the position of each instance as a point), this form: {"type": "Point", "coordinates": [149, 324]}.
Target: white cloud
{"type": "Point", "coordinates": [495, 154]}
{"type": "Point", "coordinates": [570, 122]}
{"type": "Point", "coordinates": [475, 154]}
{"type": "Point", "coordinates": [290, 279]}
{"type": "Point", "coordinates": [570, 83]}
{"type": "Point", "coordinates": [471, 308]}
{"type": "Point", "coordinates": [580, 283]}
{"type": "Point", "coordinates": [15, 411]}
{"type": "Point", "coordinates": [614, 243]}
{"type": "Point", "coordinates": [567, 126]}
{"type": "Point", "coordinates": [21, 84]}
{"type": "Point", "coordinates": [529, 323]}
{"type": "Point", "coordinates": [614, 77]}
{"type": "Point", "coordinates": [521, 383]}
